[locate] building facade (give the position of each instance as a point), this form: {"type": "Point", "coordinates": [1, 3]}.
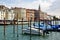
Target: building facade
{"type": "Point", "coordinates": [30, 14]}
{"type": "Point", "coordinates": [10, 14]}
{"type": "Point", "coordinates": [23, 13]}
{"type": "Point", "coordinates": [3, 12]}
{"type": "Point", "coordinates": [19, 13]}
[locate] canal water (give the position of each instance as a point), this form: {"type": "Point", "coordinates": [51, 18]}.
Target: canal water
{"type": "Point", "coordinates": [9, 35]}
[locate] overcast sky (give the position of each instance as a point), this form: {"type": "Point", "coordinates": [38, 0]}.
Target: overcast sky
{"type": "Point", "coordinates": [52, 7]}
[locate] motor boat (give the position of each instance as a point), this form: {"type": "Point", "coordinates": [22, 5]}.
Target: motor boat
{"type": "Point", "coordinates": [40, 28]}
{"type": "Point", "coordinates": [33, 30]}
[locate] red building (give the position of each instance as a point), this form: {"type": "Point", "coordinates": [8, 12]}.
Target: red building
{"type": "Point", "coordinates": [30, 14]}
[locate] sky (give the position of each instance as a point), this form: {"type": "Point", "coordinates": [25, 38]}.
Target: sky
{"type": "Point", "coordinates": [51, 7]}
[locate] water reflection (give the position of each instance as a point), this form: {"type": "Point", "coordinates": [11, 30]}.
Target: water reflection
{"type": "Point", "coordinates": [10, 36]}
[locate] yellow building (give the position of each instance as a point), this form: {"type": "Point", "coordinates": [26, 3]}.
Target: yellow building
{"type": "Point", "coordinates": [16, 12]}
{"type": "Point", "coordinates": [23, 13]}
{"type": "Point", "coordinates": [19, 13]}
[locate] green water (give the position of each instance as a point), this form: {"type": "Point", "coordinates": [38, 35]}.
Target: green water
{"type": "Point", "coordinates": [10, 36]}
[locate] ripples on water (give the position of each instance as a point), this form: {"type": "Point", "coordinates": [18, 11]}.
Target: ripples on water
{"type": "Point", "coordinates": [10, 36]}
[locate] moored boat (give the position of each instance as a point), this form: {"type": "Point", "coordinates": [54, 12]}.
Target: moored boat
{"type": "Point", "coordinates": [33, 30]}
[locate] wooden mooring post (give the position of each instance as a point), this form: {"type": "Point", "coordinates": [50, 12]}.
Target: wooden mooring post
{"type": "Point", "coordinates": [30, 28]}
{"type": "Point", "coordinates": [17, 26]}
{"type": "Point", "coordinates": [22, 25]}
{"type": "Point", "coordinates": [28, 22]}
{"type": "Point", "coordinates": [43, 30]}
{"type": "Point", "coordinates": [4, 29]}
{"type": "Point", "coordinates": [39, 26]}
{"type": "Point", "coordinates": [47, 23]}
{"type": "Point", "coordinates": [14, 28]}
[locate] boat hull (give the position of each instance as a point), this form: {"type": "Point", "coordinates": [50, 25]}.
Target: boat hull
{"type": "Point", "coordinates": [33, 31]}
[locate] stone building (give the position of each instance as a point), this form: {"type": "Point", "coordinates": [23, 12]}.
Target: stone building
{"type": "Point", "coordinates": [16, 12]}
{"type": "Point", "coordinates": [19, 13]}
{"type": "Point", "coordinates": [44, 16]}
{"type": "Point", "coordinates": [49, 17]}
{"type": "Point", "coordinates": [3, 12]}
{"type": "Point", "coordinates": [30, 14]}
{"type": "Point", "coordinates": [23, 13]}
{"type": "Point", "coordinates": [39, 15]}
{"type": "Point", "coordinates": [36, 15]}
{"type": "Point", "coordinates": [10, 14]}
